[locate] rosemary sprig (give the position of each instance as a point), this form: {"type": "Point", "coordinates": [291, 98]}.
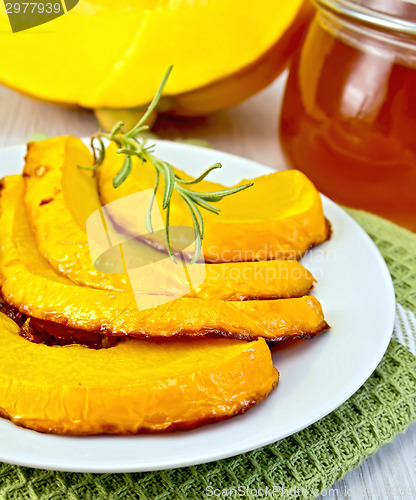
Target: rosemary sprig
{"type": "Point", "coordinates": [130, 144]}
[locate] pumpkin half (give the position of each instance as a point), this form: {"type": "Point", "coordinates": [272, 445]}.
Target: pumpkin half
{"type": "Point", "coordinates": [60, 198]}
{"type": "Point", "coordinates": [279, 217]}
{"type": "Point", "coordinates": [28, 283]}
{"type": "Point", "coordinates": [137, 386]}
{"type": "Point", "coordinates": [114, 54]}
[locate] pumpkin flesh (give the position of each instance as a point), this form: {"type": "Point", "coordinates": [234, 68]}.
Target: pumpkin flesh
{"type": "Point", "coordinates": [279, 217]}
{"type": "Point", "coordinates": [137, 41]}
{"type": "Point", "coordinates": [137, 386]}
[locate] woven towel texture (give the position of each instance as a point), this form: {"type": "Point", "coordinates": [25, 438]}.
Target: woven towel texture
{"type": "Point", "coordinates": [311, 460]}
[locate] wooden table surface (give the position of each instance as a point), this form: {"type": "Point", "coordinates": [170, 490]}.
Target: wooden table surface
{"type": "Point", "coordinates": [249, 130]}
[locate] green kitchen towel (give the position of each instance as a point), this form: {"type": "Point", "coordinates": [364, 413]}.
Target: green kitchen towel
{"type": "Point", "coordinates": [296, 467]}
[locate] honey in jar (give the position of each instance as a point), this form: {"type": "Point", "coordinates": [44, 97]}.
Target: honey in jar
{"type": "Point", "coordinates": [349, 111]}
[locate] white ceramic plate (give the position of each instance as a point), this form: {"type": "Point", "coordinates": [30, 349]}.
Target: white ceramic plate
{"type": "Point", "coordinates": [356, 291]}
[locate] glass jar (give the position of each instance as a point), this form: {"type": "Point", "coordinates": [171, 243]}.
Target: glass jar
{"type": "Point", "coordinates": [349, 110]}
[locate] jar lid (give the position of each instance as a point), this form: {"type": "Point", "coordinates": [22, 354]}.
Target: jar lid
{"type": "Point", "coordinates": [387, 15]}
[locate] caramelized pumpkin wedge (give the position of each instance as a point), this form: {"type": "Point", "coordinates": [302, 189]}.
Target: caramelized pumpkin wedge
{"type": "Point", "coordinates": [137, 386]}
{"type": "Point", "coordinates": [279, 217]}
{"type": "Point", "coordinates": [28, 283]}
{"type": "Point", "coordinates": [60, 198]}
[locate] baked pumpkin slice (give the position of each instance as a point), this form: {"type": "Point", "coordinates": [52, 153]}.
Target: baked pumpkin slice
{"type": "Point", "coordinates": [61, 198]}
{"type": "Point", "coordinates": [279, 217]}
{"type": "Point", "coordinates": [28, 283]}
{"type": "Point", "coordinates": [137, 386]}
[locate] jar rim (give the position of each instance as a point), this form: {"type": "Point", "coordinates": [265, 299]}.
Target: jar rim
{"type": "Point", "coordinates": [367, 16]}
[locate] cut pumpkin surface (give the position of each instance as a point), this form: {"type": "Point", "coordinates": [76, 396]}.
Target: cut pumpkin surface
{"type": "Point", "coordinates": [279, 217]}
{"type": "Point", "coordinates": [137, 386]}
{"type": "Point", "coordinates": [29, 284]}
{"type": "Point", "coordinates": [60, 198]}
{"type": "Point", "coordinates": [137, 41]}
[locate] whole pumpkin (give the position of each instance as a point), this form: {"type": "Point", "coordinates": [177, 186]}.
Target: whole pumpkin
{"type": "Point", "coordinates": [104, 54]}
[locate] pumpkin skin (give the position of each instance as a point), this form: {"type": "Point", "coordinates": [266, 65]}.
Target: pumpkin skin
{"type": "Point", "coordinates": [137, 386]}
{"type": "Point", "coordinates": [49, 296]}
{"type": "Point", "coordinates": [60, 198]}
{"type": "Point", "coordinates": [279, 217]}
{"type": "Point", "coordinates": [113, 55]}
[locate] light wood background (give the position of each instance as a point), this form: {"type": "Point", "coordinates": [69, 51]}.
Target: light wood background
{"type": "Point", "coordinates": [249, 130]}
